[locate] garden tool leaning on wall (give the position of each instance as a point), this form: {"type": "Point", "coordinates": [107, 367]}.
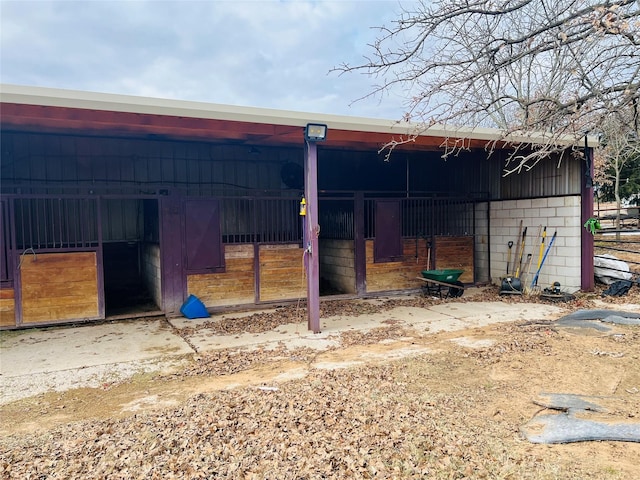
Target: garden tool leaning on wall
{"type": "Point", "coordinates": [534, 284]}
{"type": "Point", "coordinates": [511, 285]}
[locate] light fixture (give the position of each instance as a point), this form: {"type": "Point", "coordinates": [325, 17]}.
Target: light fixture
{"type": "Point", "coordinates": [315, 132]}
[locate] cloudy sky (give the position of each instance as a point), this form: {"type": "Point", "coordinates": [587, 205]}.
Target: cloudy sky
{"type": "Point", "coordinates": [263, 53]}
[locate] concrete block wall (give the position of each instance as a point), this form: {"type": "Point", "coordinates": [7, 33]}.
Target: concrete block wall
{"type": "Point", "coordinates": [558, 214]}
{"type": "Point", "coordinates": [152, 271]}
{"type": "Point", "coordinates": [337, 264]}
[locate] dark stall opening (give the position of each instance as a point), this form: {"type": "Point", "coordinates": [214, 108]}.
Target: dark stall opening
{"type": "Point", "coordinates": [124, 287]}
{"type": "Point", "coordinates": [130, 253]}
{"type": "Point", "coordinates": [337, 246]}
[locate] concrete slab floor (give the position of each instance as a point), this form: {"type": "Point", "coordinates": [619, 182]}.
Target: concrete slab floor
{"type": "Point", "coordinates": [437, 318]}
{"type": "Point", "coordinates": [58, 358]}
{"type": "Point", "coordinates": [44, 350]}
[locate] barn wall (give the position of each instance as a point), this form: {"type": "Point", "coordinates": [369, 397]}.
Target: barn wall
{"type": "Point", "coordinates": [235, 286]}
{"type": "Point", "coordinates": [397, 275]}
{"type": "Point", "coordinates": [481, 244]}
{"type": "Point", "coordinates": [7, 307]}
{"type": "Point", "coordinates": [455, 253]}
{"type": "Point", "coordinates": [71, 164]}
{"type": "Point", "coordinates": [337, 264]}
{"type": "Point", "coordinates": [548, 178]}
{"type": "Point", "coordinates": [561, 214]}
{"type": "Point", "coordinates": [449, 252]}
{"type": "Point", "coordinates": [59, 287]}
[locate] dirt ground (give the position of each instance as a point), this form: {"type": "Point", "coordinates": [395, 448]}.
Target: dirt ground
{"type": "Point", "coordinates": [454, 408]}
{"type": "Point", "coordinates": [420, 405]}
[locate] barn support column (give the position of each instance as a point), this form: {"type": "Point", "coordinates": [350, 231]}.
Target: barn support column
{"type": "Point", "coordinates": [586, 238]}
{"type": "Point", "coordinates": [310, 235]}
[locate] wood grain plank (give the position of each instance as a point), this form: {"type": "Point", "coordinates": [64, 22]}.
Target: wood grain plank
{"type": "Point", "coordinates": [235, 286]}
{"type": "Point", "coordinates": [59, 287]}
{"type": "Point", "coordinates": [456, 253]}
{"type": "Point", "coordinates": [281, 273]}
{"type": "Point", "coordinates": [7, 293]}
{"type": "Point", "coordinates": [53, 314]}
{"type": "Point", "coordinates": [7, 308]}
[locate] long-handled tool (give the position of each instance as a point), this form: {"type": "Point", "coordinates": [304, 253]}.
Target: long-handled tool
{"type": "Point", "coordinates": [524, 236]}
{"type": "Point", "coordinates": [509, 245]}
{"type": "Point", "coordinates": [517, 248]}
{"type": "Point", "coordinates": [544, 235]}
{"type": "Point", "coordinates": [534, 283]}
{"type": "Point", "coordinates": [526, 275]}
{"type": "Point", "coordinates": [511, 285]}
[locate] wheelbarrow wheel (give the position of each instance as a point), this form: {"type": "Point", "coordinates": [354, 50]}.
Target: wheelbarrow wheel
{"type": "Point", "coordinates": [456, 292]}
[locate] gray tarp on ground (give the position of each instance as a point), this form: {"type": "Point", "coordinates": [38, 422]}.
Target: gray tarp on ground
{"type": "Point", "coordinates": [568, 427]}
{"type": "Point", "coordinates": [586, 319]}
{"type": "Point", "coordinates": [569, 401]}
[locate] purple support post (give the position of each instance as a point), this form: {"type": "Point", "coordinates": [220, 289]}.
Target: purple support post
{"type": "Point", "coordinates": [586, 239]}
{"type": "Point", "coordinates": [310, 236]}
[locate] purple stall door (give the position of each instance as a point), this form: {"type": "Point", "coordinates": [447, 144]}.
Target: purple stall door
{"type": "Point", "coordinates": [203, 239]}
{"type": "Point", "coordinates": [173, 277]}
{"type": "Point", "coordinates": [388, 241]}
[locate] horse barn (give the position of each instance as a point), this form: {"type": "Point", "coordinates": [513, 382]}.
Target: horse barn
{"type": "Point", "coordinates": [119, 207]}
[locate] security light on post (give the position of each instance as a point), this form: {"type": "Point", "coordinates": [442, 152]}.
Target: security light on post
{"type": "Point", "coordinates": [315, 132]}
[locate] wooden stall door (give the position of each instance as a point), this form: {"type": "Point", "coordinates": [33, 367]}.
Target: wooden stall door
{"type": "Point", "coordinates": [58, 287]}
{"type": "Point", "coordinates": [281, 274]}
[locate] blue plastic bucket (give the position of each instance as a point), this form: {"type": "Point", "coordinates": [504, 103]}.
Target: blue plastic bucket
{"type": "Point", "coordinates": [194, 308]}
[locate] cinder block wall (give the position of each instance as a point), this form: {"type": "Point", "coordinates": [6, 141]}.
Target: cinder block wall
{"type": "Point", "coordinates": [151, 271]}
{"type": "Point", "coordinates": [337, 264]}
{"type": "Point", "coordinates": [561, 214]}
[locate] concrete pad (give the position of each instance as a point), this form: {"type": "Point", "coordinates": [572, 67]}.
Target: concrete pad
{"type": "Point", "coordinates": [444, 325]}
{"type": "Point", "coordinates": [293, 335]}
{"type": "Point", "coordinates": [296, 335]}
{"type": "Point", "coordinates": [27, 352]}
{"type": "Point", "coordinates": [96, 355]}
{"type": "Point", "coordinates": [437, 318]}
{"type": "Point", "coordinates": [483, 313]}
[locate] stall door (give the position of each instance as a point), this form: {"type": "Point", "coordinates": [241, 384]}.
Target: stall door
{"type": "Point", "coordinates": [388, 241]}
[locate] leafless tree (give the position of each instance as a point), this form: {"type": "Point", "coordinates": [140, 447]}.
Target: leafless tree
{"type": "Point", "coordinates": [620, 147]}
{"type": "Point", "coordinates": [543, 72]}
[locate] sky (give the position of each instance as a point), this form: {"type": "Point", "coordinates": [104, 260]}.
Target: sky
{"type": "Point", "coordinates": [269, 53]}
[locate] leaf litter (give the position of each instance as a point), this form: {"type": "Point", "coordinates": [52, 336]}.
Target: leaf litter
{"type": "Point", "coordinates": [454, 413]}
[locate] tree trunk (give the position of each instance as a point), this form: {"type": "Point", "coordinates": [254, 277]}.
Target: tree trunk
{"type": "Point", "coordinates": [618, 202]}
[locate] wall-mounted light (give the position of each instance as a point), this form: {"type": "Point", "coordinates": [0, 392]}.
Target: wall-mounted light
{"type": "Point", "coordinates": [315, 132]}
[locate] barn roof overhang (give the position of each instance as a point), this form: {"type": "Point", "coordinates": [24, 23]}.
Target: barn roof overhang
{"type": "Point", "coordinates": [51, 110]}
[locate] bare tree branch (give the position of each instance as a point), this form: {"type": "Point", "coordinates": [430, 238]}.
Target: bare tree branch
{"type": "Point", "coordinates": [559, 67]}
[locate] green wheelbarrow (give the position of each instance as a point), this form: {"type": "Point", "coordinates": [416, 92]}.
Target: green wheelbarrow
{"type": "Point", "coordinates": [443, 283]}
